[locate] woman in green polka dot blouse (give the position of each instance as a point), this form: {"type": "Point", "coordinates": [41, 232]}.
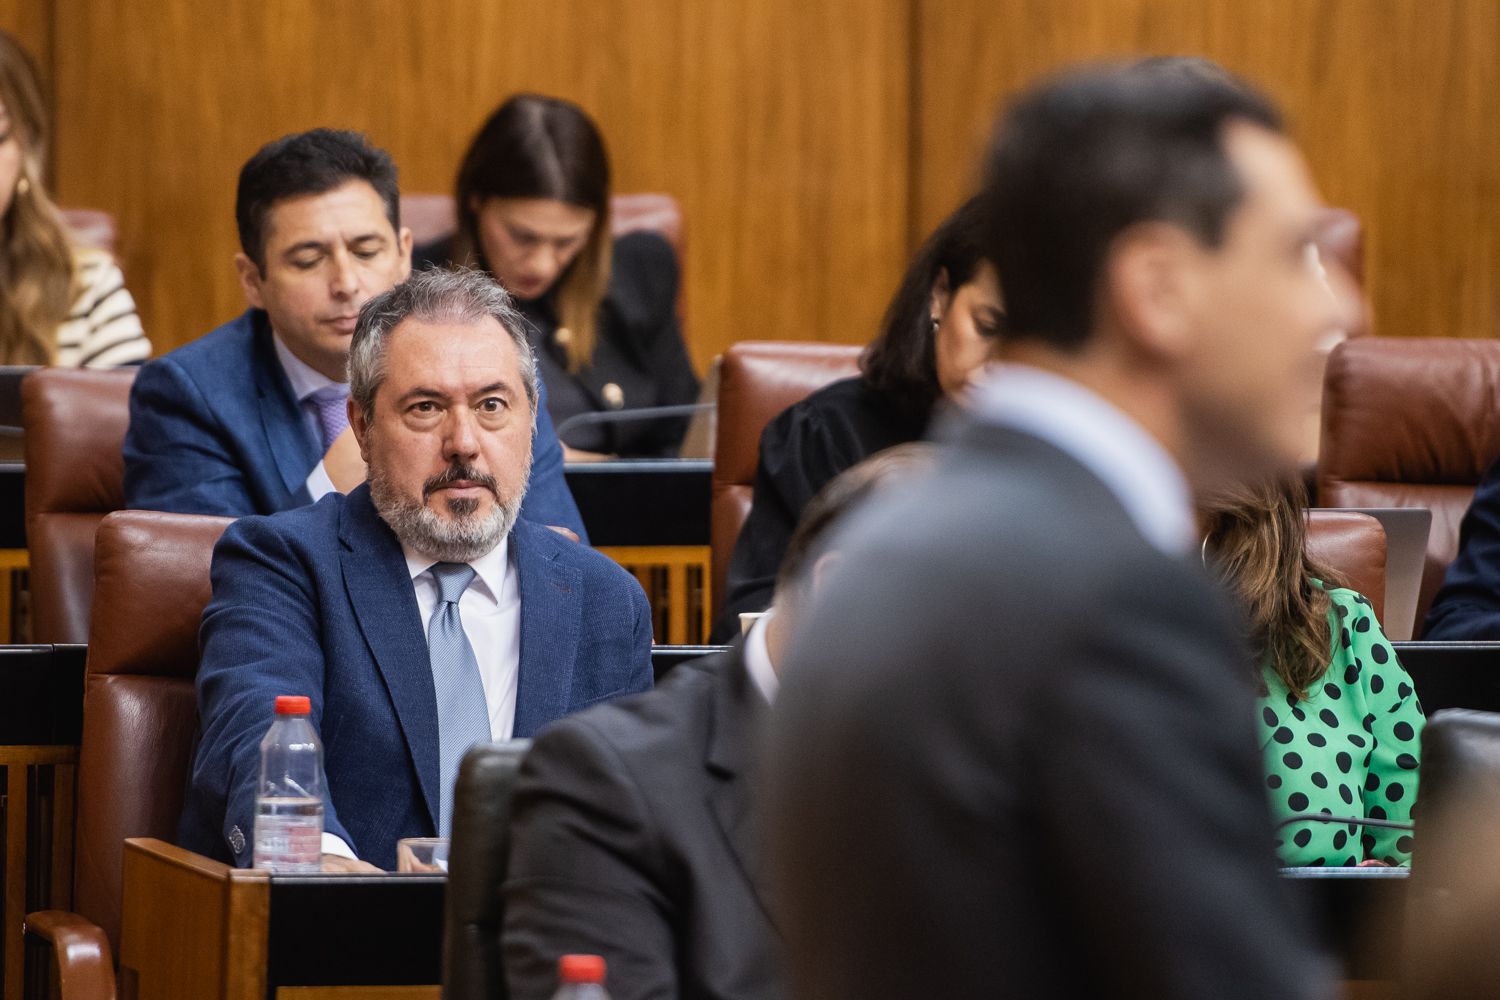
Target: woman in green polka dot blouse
{"type": "Point", "coordinates": [1339, 723]}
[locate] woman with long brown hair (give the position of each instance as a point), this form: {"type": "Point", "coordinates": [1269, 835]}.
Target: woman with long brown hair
{"type": "Point", "coordinates": [533, 210]}
{"type": "Point", "coordinates": [59, 304]}
{"type": "Point", "coordinates": [1339, 721]}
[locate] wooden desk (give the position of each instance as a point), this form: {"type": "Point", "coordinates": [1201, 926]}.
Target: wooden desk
{"type": "Point", "coordinates": [196, 929]}
{"type": "Point", "coordinates": [41, 700]}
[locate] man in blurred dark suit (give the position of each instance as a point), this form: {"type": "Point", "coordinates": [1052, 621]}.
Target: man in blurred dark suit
{"type": "Point", "coordinates": [633, 823]}
{"type": "Point", "coordinates": [1014, 753]}
{"type": "Point", "coordinates": [249, 418]}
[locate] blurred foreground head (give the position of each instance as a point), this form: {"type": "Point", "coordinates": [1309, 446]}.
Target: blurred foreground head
{"type": "Point", "coordinates": [1153, 223]}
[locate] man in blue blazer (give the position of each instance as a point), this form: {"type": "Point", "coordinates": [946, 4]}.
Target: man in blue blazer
{"type": "Point", "coordinates": [249, 419]}
{"type": "Point", "coordinates": [333, 601]}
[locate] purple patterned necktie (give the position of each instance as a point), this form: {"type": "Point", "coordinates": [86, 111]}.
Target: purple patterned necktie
{"type": "Point", "coordinates": [333, 413]}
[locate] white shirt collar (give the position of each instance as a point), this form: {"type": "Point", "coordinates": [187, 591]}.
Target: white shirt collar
{"type": "Point", "coordinates": [305, 379]}
{"type": "Point", "coordinates": [758, 660]}
{"type": "Point", "coordinates": [489, 569]}
{"type": "Point", "coordinates": [1131, 463]}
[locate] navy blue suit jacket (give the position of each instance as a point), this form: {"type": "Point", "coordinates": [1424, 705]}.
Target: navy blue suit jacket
{"type": "Point", "coordinates": [215, 429]}
{"type": "Point", "coordinates": [319, 601]}
{"type": "Point", "coordinates": [1467, 606]}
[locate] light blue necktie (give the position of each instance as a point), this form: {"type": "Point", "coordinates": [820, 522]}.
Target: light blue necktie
{"type": "Point", "coordinates": [331, 402]}
{"type": "Point", "coordinates": [463, 714]}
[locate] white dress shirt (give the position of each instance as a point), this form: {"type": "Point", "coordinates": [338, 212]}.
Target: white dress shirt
{"type": "Point", "coordinates": [491, 614]}
{"type": "Point", "coordinates": [758, 660]}
{"type": "Point", "coordinates": [306, 380]}
{"type": "Point", "coordinates": [1130, 462]}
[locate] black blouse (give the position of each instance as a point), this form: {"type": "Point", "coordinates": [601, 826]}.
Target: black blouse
{"type": "Point", "coordinates": [803, 448]}
{"type": "Point", "coordinates": [639, 358]}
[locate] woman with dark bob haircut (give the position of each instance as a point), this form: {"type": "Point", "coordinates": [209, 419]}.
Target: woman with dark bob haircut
{"type": "Point", "coordinates": [533, 210]}
{"type": "Point", "coordinates": [938, 331]}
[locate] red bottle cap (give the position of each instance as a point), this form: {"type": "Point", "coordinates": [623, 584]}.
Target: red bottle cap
{"type": "Point", "coordinates": [293, 704]}
{"type": "Point", "coordinates": [581, 969]}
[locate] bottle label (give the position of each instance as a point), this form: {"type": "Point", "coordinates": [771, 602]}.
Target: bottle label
{"type": "Point", "coordinates": [288, 834]}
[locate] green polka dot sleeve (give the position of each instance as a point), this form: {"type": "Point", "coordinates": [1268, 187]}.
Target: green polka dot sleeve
{"type": "Point", "coordinates": [1350, 748]}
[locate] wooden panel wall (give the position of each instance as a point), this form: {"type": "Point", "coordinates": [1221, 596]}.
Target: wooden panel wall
{"type": "Point", "coordinates": [811, 145]}
{"type": "Point", "coordinates": [781, 127]}
{"type": "Point", "coordinates": [1395, 102]}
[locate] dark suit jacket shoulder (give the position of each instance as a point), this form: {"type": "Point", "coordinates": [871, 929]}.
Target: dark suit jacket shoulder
{"type": "Point", "coordinates": [1038, 730]}
{"type": "Point", "coordinates": [319, 601]}
{"type": "Point", "coordinates": [801, 450]}
{"type": "Point", "coordinates": [637, 814]}
{"type": "Point", "coordinates": [216, 429]}
{"type": "Point", "coordinates": [1467, 607]}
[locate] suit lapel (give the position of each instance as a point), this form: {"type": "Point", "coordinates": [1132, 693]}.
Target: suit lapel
{"type": "Point", "coordinates": [385, 605]}
{"type": "Point", "coordinates": [286, 433]}
{"type": "Point", "coordinates": [738, 711]}
{"type": "Point", "coordinates": [551, 618]}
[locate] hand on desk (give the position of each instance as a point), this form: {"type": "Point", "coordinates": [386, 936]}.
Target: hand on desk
{"type": "Point", "coordinates": [343, 463]}
{"type": "Point", "coordinates": [338, 863]}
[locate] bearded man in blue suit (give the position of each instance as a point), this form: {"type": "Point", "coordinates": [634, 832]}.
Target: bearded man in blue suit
{"type": "Point", "coordinates": [250, 418]}
{"type": "Point", "coordinates": [334, 600]}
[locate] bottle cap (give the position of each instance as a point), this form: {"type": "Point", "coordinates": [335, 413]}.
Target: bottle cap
{"type": "Point", "coordinates": [581, 969]}
{"type": "Point", "coordinates": [293, 704]}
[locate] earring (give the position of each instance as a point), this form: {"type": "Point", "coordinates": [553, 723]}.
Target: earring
{"type": "Point", "coordinates": [23, 186]}
{"type": "Point", "coordinates": [935, 324]}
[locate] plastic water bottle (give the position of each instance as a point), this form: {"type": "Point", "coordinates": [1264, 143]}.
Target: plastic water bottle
{"type": "Point", "coordinates": [580, 977]}
{"type": "Point", "coordinates": [289, 797]}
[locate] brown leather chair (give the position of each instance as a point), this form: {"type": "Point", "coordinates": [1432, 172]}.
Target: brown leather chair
{"type": "Point", "coordinates": [757, 380]}
{"type": "Point", "coordinates": [473, 965]}
{"type": "Point", "coordinates": [139, 721]}
{"type": "Point", "coordinates": [1411, 423]}
{"type": "Point", "coordinates": [75, 423]}
{"type": "Point", "coordinates": [1353, 545]}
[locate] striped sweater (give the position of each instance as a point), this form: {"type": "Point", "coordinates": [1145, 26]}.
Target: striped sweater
{"type": "Point", "coordinates": [102, 329]}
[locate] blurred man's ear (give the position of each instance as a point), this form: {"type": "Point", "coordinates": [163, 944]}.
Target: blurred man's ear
{"type": "Point", "coordinates": [1153, 287]}
{"type": "Point", "coordinates": [822, 569]}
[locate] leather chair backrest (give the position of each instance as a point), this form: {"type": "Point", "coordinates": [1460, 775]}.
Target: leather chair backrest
{"type": "Point", "coordinates": [1460, 760]}
{"type": "Point", "coordinates": [139, 709]}
{"type": "Point", "coordinates": [1353, 545]}
{"type": "Point", "coordinates": [1411, 422]}
{"type": "Point", "coordinates": [473, 962]}
{"type": "Point", "coordinates": [75, 423]}
{"type": "Point", "coordinates": [433, 216]}
{"type": "Point", "coordinates": [757, 380]}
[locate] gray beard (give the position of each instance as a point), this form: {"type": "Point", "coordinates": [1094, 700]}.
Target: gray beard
{"type": "Point", "coordinates": [462, 539]}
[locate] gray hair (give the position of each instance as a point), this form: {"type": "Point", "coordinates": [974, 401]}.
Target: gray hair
{"type": "Point", "coordinates": [439, 295]}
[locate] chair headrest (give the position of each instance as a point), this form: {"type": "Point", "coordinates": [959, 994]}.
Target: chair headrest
{"type": "Point", "coordinates": [151, 583]}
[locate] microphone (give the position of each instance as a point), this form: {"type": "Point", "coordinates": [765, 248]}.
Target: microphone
{"type": "Point", "coordinates": [596, 417]}
{"type": "Point", "coordinates": [1384, 824]}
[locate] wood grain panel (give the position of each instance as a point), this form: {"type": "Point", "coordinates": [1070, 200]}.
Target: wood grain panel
{"type": "Point", "coordinates": [781, 127]}
{"type": "Point", "coordinates": [1394, 101]}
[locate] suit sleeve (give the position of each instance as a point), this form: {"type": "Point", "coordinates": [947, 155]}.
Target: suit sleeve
{"type": "Point", "coordinates": [1467, 607]}
{"type": "Point", "coordinates": [548, 500]}
{"type": "Point", "coordinates": [650, 264]}
{"type": "Point", "coordinates": [586, 871]}
{"type": "Point", "coordinates": [799, 453]}
{"type": "Point", "coordinates": [177, 457]}
{"type": "Point", "coordinates": [1176, 799]}
{"type": "Point", "coordinates": [260, 638]}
